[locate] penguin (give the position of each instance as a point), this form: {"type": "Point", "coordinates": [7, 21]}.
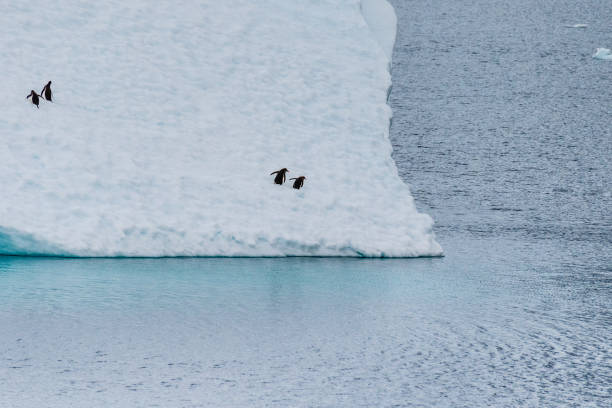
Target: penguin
{"type": "Point", "coordinates": [299, 182]}
{"type": "Point", "coordinates": [34, 96]}
{"type": "Point", "coordinates": [280, 175]}
{"type": "Point", "coordinates": [46, 91]}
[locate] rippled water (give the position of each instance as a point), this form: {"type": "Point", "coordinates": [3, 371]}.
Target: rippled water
{"type": "Point", "coordinates": [501, 126]}
{"type": "Point", "coordinates": [300, 332]}
{"type": "Point", "coordinates": [502, 118]}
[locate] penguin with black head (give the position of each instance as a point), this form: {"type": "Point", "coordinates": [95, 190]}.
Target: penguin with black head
{"type": "Point", "coordinates": [34, 96]}
{"type": "Point", "coordinates": [280, 175]}
{"type": "Point", "coordinates": [46, 92]}
{"type": "Point", "coordinates": [299, 182]}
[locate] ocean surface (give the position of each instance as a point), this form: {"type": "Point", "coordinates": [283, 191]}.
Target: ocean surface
{"type": "Point", "coordinates": [502, 129]}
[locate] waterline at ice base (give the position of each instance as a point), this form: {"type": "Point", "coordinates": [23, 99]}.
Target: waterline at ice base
{"type": "Point", "coordinates": [167, 121]}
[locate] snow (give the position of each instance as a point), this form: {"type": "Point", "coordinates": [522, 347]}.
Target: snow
{"type": "Point", "coordinates": [603, 54]}
{"type": "Point", "coordinates": [381, 19]}
{"type": "Point", "coordinates": [168, 118]}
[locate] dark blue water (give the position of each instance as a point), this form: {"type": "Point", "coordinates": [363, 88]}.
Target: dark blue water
{"type": "Point", "coordinates": [502, 118]}
{"type": "Point", "coordinates": [501, 127]}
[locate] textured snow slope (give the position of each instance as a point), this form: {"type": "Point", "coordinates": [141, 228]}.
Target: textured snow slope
{"type": "Point", "coordinates": [169, 117]}
{"type": "Point", "coordinates": [380, 17]}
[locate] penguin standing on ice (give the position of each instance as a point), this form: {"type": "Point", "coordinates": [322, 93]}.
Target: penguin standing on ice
{"type": "Point", "coordinates": [299, 182]}
{"type": "Point", "coordinates": [280, 175]}
{"type": "Point", "coordinates": [34, 96]}
{"type": "Point", "coordinates": [46, 92]}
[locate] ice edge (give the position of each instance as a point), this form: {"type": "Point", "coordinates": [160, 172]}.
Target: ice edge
{"type": "Point", "coordinates": [380, 17]}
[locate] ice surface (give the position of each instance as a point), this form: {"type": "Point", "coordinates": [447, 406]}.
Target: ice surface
{"type": "Point", "coordinates": [603, 54]}
{"type": "Point", "coordinates": [169, 117]}
{"type": "Point", "coordinates": [382, 21]}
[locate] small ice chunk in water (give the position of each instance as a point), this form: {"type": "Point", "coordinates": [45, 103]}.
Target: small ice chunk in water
{"type": "Point", "coordinates": [603, 54]}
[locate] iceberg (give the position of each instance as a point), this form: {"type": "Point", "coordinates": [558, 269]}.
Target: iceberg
{"type": "Point", "coordinates": [168, 119]}
{"type": "Point", "coordinates": [603, 54]}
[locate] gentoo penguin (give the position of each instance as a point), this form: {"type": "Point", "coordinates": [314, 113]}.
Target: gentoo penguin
{"type": "Point", "coordinates": [299, 182]}
{"type": "Point", "coordinates": [280, 175]}
{"type": "Point", "coordinates": [46, 92]}
{"type": "Point", "coordinates": [34, 96]}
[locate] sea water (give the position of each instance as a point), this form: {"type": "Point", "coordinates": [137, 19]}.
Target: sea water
{"type": "Point", "coordinates": [474, 328]}
{"type": "Point", "coordinates": [501, 129]}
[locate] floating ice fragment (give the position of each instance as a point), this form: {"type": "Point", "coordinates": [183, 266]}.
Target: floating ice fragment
{"type": "Point", "coordinates": [603, 54]}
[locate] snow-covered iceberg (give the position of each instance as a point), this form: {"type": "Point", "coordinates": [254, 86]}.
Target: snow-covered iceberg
{"type": "Point", "coordinates": [168, 118]}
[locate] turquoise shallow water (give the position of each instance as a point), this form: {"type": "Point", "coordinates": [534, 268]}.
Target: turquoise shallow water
{"type": "Point", "coordinates": [453, 331]}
